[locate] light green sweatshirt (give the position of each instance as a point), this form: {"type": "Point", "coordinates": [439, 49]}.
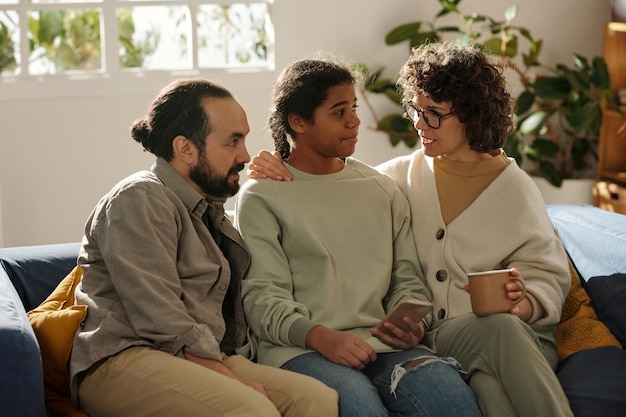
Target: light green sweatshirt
{"type": "Point", "coordinates": [334, 249]}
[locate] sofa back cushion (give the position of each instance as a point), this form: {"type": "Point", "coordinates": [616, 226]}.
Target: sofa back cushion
{"type": "Point", "coordinates": [35, 271]}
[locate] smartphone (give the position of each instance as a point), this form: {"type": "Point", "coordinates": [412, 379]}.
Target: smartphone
{"type": "Point", "coordinates": [416, 309]}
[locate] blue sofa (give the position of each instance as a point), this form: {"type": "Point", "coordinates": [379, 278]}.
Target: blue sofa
{"type": "Point", "coordinates": [27, 276]}
{"type": "Point", "coordinates": [594, 380]}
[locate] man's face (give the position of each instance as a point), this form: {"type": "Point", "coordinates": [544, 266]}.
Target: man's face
{"type": "Point", "coordinates": [214, 184]}
{"type": "Point", "coordinates": [216, 172]}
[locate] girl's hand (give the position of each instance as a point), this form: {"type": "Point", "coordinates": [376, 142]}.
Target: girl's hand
{"type": "Point", "coordinates": [268, 165]}
{"type": "Point", "coordinates": [401, 339]}
{"type": "Point", "coordinates": [344, 348]}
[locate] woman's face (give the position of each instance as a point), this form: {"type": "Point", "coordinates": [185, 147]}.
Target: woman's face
{"type": "Point", "coordinates": [449, 138]}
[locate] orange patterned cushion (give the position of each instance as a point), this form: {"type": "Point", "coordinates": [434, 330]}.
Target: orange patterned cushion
{"type": "Point", "coordinates": [580, 328]}
{"type": "Point", "coordinates": [55, 322]}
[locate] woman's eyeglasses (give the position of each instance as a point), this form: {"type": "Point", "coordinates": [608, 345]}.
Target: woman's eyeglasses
{"type": "Point", "coordinates": [431, 117]}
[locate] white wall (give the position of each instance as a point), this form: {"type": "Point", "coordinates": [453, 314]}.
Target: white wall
{"type": "Point", "coordinates": [61, 152]}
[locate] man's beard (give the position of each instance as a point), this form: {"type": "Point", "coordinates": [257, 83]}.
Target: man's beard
{"type": "Point", "coordinates": [210, 183]}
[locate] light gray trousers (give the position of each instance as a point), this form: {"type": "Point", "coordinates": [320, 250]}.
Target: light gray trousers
{"type": "Point", "coordinates": [509, 364]}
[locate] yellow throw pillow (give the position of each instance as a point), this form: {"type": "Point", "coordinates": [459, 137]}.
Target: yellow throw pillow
{"type": "Point", "coordinates": [55, 322]}
{"type": "Point", "coordinates": [580, 328]}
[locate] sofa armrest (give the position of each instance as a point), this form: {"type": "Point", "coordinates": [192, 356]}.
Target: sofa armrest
{"type": "Point", "coordinates": [21, 377]}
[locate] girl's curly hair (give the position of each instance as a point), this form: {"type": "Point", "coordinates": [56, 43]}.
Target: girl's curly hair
{"type": "Point", "coordinates": [467, 78]}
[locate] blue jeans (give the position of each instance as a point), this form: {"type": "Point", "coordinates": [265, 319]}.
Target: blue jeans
{"type": "Point", "coordinates": [433, 388]}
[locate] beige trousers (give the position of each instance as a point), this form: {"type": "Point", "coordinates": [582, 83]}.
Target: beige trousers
{"type": "Point", "coordinates": [143, 382]}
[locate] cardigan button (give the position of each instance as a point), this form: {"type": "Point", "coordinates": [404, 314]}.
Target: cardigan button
{"type": "Point", "coordinates": [441, 275]}
{"type": "Point", "coordinates": [441, 314]}
{"type": "Point", "coordinates": [440, 234]}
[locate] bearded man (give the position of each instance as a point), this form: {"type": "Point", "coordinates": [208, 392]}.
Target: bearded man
{"type": "Point", "coordinates": [162, 267]}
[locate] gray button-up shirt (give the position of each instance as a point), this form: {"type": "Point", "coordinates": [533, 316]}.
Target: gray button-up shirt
{"type": "Point", "coordinates": [154, 276]}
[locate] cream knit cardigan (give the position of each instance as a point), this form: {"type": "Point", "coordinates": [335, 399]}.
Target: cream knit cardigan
{"type": "Point", "coordinates": [506, 226]}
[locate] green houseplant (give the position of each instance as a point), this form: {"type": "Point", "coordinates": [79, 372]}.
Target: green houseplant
{"type": "Point", "coordinates": [557, 114]}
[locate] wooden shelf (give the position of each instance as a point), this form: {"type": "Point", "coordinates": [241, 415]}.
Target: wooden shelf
{"type": "Point", "coordinates": [609, 191]}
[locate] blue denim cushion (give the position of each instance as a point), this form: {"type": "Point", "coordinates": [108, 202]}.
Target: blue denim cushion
{"type": "Point", "coordinates": [35, 271]}
{"type": "Point", "coordinates": [595, 239]}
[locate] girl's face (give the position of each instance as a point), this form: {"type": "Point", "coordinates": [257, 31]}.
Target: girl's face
{"type": "Point", "coordinates": [335, 127]}
{"type": "Point", "coordinates": [449, 139]}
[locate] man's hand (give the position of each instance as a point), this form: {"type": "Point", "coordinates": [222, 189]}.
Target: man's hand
{"type": "Point", "coordinates": [344, 348]}
{"type": "Point", "coordinates": [268, 165]}
{"type": "Point", "coordinates": [401, 339]}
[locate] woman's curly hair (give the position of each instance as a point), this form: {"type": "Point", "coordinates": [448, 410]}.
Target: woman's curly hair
{"type": "Point", "coordinates": [467, 78]}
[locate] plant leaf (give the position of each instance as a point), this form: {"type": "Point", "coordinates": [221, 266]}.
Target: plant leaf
{"type": "Point", "coordinates": [580, 62]}
{"type": "Point", "coordinates": [533, 123]}
{"type": "Point", "coordinates": [410, 141]}
{"type": "Point", "coordinates": [548, 171]}
{"type": "Point", "coordinates": [545, 147]}
{"type": "Point", "coordinates": [600, 74]}
{"type": "Point", "coordinates": [380, 86]}
{"type": "Point", "coordinates": [423, 37]}
{"type": "Point", "coordinates": [402, 33]}
{"type": "Point", "coordinates": [393, 94]}
{"type": "Point", "coordinates": [450, 6]}
{"type": "Point", "coordinates": [524, 102]}
{"type": "Point", "coordinates": [511, 148]}
{"type": "Point", "coordinates": [511, 12]}
{"type": "Point", "coordinates": [552, 88]}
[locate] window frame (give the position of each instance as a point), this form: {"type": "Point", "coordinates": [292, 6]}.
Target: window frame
{"type": "Point", "coordinates": [112, 79]}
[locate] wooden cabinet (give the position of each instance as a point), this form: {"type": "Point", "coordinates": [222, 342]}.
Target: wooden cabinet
{"type": "Point", "coordinates": [612, 146]}
{"type": "Point", "coordinates": [610, 190]}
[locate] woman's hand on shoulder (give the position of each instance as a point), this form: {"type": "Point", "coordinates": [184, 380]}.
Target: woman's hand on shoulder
{"type": "Point", "coordinates": [268, 165]}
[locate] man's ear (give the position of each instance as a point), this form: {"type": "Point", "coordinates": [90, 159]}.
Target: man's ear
{"type": "Point", "coordinates": [184, 149]}
{"type": "Point", "coordinates": [298, 123]}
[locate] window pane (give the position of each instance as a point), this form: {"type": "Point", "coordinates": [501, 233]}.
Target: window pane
{"type": "Point", "coordinates": [9, 42]}
{"type": "Point", "coordinates": [232, 35]}
{"type": "Point", "coordinates": [64, 40]}
{"type": "Point", "coordinates": [154, 37]}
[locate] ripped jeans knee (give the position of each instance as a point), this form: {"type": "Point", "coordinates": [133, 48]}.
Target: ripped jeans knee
{"type": "Point", "coordinates": [417, 364]}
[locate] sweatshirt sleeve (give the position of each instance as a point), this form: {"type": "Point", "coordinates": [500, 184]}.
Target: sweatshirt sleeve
{"type": "Point", "coordinates": [267, 290]}
{"type": "Point", "coordinates": [407, 278]}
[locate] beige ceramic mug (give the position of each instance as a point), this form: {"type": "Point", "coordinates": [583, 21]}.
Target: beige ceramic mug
{"type": "Point", "coordinates": [488, 294]}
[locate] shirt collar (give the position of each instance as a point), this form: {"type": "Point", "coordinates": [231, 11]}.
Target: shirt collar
{"type": "Point", "coordinates": [193, 200]}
